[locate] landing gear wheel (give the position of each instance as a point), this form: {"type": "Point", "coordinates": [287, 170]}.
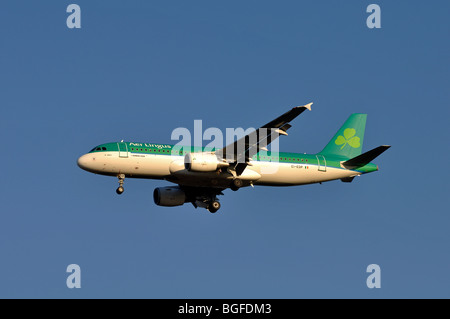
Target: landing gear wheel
{"type": "Point", "coordinates": [236, 184]}
{"type": "Point", "coordinates": [214, 207]}
{"type": "Point", "coordinates": [120, 189]}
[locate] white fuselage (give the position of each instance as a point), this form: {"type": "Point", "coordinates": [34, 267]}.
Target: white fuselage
{"type": "Point", "coordinates": [171, 168]}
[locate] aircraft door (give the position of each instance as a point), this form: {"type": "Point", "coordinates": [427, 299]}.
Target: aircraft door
{"type": "Point", "coordinates": [123, 149]}
{"type": "Point", "coordinates": [321, 163]}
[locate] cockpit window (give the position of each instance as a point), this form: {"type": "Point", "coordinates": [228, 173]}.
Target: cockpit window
{"type": "Point", "coordinates": [98, 148]}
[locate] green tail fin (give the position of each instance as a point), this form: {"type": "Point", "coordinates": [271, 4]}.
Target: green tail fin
{"type": "Point", "coordinates": [348, 141]}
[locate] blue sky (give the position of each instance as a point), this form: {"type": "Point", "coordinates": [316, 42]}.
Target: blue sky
{"type": "Point", "coordinates": [138, 69]}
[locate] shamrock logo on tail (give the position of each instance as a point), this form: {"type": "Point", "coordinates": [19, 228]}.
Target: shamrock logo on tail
{"type": "Point", "coordinates": [348, 138]}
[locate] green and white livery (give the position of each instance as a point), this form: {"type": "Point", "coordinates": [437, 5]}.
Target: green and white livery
{"type": "Point", "coordinates": [202, 174]}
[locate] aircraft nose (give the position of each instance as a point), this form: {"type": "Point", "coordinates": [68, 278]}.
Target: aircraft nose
{"type": "Point", "coordinates": [83, 161]}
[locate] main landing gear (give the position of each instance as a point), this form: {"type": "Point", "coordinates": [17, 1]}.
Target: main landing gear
{"type": "Point", "coordinates": [236, 184]}
{"type": "Point", "coordinates": [214, 206]}
{"type": "Point", "coordinates": [208, 202]}
{"type": "Point", "coordinates": [120, 189]}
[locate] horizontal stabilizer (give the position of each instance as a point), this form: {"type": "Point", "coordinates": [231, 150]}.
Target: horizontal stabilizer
{"type": "Point", "coordinates": [366, 158]}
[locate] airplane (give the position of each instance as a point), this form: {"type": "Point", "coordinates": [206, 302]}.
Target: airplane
{"type": "Point", "coordinates": [202, 174]}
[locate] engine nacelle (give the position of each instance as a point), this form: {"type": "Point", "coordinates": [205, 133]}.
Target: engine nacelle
{"type": "Point", "coordinates": [169, 196]}
{"type": "Point", "coordinates": [203, 162]}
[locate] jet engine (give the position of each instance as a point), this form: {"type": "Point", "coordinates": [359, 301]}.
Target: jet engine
{"type": "Point", "coordinates": [169, 196]}
{"type": "Point", "coordinates": [203, 162]}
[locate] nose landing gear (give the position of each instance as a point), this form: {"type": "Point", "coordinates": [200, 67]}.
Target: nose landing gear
{"type": "Point", "coordinates": [120, 189]}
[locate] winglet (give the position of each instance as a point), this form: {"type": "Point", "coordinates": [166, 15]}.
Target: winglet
{"type": "Point", "coordinates": [308, 106]}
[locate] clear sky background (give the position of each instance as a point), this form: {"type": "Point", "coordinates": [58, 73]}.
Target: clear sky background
{"type": "Point", "coordinates": [136, 70]}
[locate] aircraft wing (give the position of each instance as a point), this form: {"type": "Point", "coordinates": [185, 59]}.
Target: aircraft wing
{"type": "Point", "coordinates": [246, 147]}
